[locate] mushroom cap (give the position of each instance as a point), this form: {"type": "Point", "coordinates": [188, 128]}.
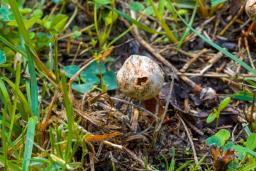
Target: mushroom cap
{"type": "Point", "coordinates": [140, 78]}
{"type": "Point", "coordinates": [250, 9]}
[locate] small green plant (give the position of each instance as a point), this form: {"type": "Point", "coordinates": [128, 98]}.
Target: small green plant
{"type": "Point", "coordinates": [208, 11]}
{"type": "Point", "coordinates": [243, 157]}
{"type": "Point", "coordinates": [216, 111]}
{"type": "Point", "coordinates": [95, 74]}
{"type": "Point", "coordinates": [107, 17]}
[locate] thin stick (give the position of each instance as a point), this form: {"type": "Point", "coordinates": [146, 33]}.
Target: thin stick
{"type": "Point", "coordinates": [249, 53]}
{"type": "Point", "coordinates": [165, 109]}
{"type": "Point", "coordinates": [211, 62]}
{"type": "Point", "coordinates": [195, 57]}
{"type": "Point", "coordinates": [135, 157]}
{"type": "Point", "coordinates": [232, 21]}
{"type": "Point", "coordinates": [217, 75]}
{"type": "Point", "coordinates": [47, 116]}
{"type": "Point", "coordinates": [190, 139]}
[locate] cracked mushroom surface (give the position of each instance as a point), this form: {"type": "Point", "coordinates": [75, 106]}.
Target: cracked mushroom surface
{"type": "Point", "coordinates": [250, 9]}
{"type": "Point", "coordinates": [140, 78]}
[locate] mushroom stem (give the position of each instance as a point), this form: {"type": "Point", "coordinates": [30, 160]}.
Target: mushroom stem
{"type": "Point", "coordinates": [152, 104]}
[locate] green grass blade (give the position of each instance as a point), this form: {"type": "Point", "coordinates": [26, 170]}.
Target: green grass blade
{"type": "Point", "coordinates": [17, 92]}
{"type": "Point", "coordinates": [185, 34]}
{"type": "Point", "coordinates": [163, 24]}
{"type": "Point", "coordinates": [33, 87]}
{"type": "Point", "coordinates": [5, 94]}
{"type": "Point", "coordinates": [214, 45]}
{"type": "Point", "coordinates": [70, 117]}
{"type": "Point", "coordinates": [11, 165]}
{"type": "Point", "coordinates": [137, 23]}
{"type": "Point", "coordinates": [29, 142]}
{"type": "Point", "coordinates": [40, 66]}
{"type": "Point", "coordinates": [19, 20]}
{"type": "Point", "coordinates": [11, 46]}
{"type": "Point", "coordinates": [250, 166]}
{"type": "Point", "coordinates": [12, 114]}
{"type": "Point", "coordinates": [4, 126]}
{"type": "Point", "coordinates": [24, 33]}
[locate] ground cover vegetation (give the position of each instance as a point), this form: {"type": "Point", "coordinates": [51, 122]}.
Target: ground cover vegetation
{"type": "Point", "coordinates": [68, 102]}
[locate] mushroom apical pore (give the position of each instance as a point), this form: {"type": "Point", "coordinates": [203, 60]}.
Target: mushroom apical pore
{"type": "Point", "coordinates": [140, 78]}
{"type": "Point", "coordinates": [250, 9]}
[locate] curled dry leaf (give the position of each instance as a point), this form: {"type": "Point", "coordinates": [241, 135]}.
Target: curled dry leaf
{"type": "Point", "coordinates": [250, 9]}
{"type": "Point", "coordinates": [102, 137]}
{"type": "Point", "coordinates": [140, 78]}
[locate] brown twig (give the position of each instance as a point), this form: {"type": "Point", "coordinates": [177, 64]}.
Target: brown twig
{"type": "Point", "coordinates": [211, 62]}
{"type": "Point", "coordinates": [165, 109]}
{"type": "Point", "coordinates": [190, 139]}
{"type": "Point", "coordinates": [232, 21]}
{"type": "Point", "coordinates": [191, 61]}
{"type": "Point", "coordinates": [47, 116]}
{"type": "Point", "coordinates": [139, 160]}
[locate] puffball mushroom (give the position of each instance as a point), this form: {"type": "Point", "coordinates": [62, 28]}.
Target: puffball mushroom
{"type": "Point", "coordinates": [250, 9]}
{"type": "Point", "coordinates": [140, 78]}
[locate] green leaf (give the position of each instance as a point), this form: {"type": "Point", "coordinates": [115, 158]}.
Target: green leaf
{"type": "Point", "coordinates": [100, 3]}
{"type": "Point", "coordinates": [250, 166]}
{"type": "Point", "coordinates": [89, 77]}
{"type": "Point", "coordinates": [213, 140]}
{"type": "Point", "coordinates": [185, 4]}
{"type": "Point", "coordinates": [58, 22]}
{"type": "Point", "coordinates": [242, 149]}
{"type": "Point", "coordinates": [161, 6]}
{"type": "Point", "coordinates": [43, 39]}
{"type": "Point", "coordinates": [219, 138]}
{"type": "Point", "coordinates": [228, 146]}
{"type": "Point", "coordinates": [211, 117]}
{"type": "Point", "coordinates": [224, 103]}
{"type": "Point", "coordinates": [28, 23]}
{"type": "Point", "coordinates": [6, 14]}
{"type": "Point", "coordinates": [57, 1]}
{"type": "Point", "coordinates": [2, 57]}
{"type": "Point", "coordinates": [251, 141]}
{"type": "Point", "coordinates": [136, 6]}
{"type": "Point", "coordinates": [149, 11]}
{"type": "Point", "coordinates": [109, 79]}
{"type": "Point", "coordinates": [83, 88]}
{"type": "Point", "coordinates": [111, 18]}
{"type": "Point", "coordinates": [215, 3]}
{"type": "Point", "coordinates": [96, 68]}
{"type": "Point", "coordinates": [243, 96]}
{"type": "Point", "coordinates": [224, 134]}
{"type": "Point", "coordinates": [38, 13]}
{"type": "Point", "coordinates": [71, 70]}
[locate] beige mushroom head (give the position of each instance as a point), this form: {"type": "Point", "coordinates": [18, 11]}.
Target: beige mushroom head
{"type": "Point", "coordinates": [250, 9]}
{"type": "Point", "coordinates": [140, 78]}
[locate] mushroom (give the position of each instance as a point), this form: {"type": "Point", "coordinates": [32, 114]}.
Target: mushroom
{"type": "Point", "coordinates": [140, 78]}
{"type": "Point", "coordinates": [250, 9]}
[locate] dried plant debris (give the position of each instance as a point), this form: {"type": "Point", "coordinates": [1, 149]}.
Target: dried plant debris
{"type": "Point", "coordinates": [118, 85]}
